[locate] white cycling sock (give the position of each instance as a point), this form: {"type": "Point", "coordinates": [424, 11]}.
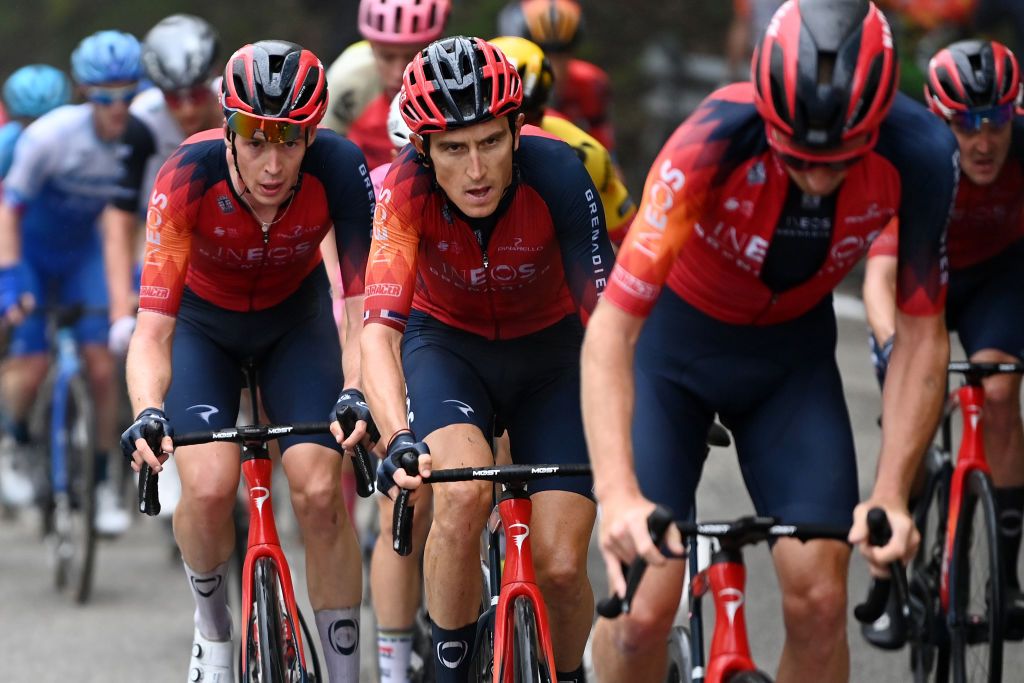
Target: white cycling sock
{"type": "Point", "coordinates": [209, 590]}
{"type": "Point", "coordinates": [339, 637]}
{"type": "Point", "coordinates": [394, 651]}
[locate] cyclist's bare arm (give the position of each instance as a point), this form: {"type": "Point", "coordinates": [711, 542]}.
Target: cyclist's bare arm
{"type": "Point", "coordinates": [119, 229]}
{"type": "Point", "coordinates": [385, 386]}
{"type": "Point", "coordinates": [149, 366]}
{"type": "Point", "coordinates": [607, 403]}
{"type": "Point", "coordinates": [912, 400]}
{"type": "Point", "coordinates": [10, 235]}
{"type": "Point", "coordinates": [350, 352]}
{"type": "Point", "coordinates": [880, 296]}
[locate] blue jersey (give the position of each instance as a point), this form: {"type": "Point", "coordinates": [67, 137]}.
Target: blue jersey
{"type": "Point", "coordinates": [63, 176]}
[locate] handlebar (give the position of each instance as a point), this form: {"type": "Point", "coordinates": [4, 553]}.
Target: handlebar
{"type": "Point", "coordinates": [149, 501]}
{"type": "Point", "coordinates": [975, 372]}
{"type": "Point", "coordinates": [732, 534]}
{"type": "Point", "coordinates": [879, 533]}
{"type": "Point", "coordinates": [401, 519]}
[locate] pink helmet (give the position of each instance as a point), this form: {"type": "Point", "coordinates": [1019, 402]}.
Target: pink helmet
{"type": "Point", "coordinates": [403, 22]}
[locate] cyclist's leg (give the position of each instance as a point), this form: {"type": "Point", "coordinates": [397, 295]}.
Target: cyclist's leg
{"type": "Point", "coordinates": [450, 406]}
{"type": "Point", "coordinates": [669, 425]}
{"type": "Point", "coordinates": [204, 395]}
{"type": "Point", "coordinates": [796, 453]}
{"type": "Point", "coordinates": [545, 426]}
{"type": "Point", "coordinates": [300, 378]}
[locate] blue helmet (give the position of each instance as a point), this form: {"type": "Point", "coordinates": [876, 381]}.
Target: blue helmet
{"type": "Point", "coordinates": [107, 57]}
{"type": "Point", "coordinates": [33, 90]}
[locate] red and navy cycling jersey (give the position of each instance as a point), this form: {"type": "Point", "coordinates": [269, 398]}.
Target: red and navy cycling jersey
{"type": "Point", "coordinates": [200, 234]}
{"type": "Point", "coordinates": [543, 255]}
{"type": "Point", "coordinates": [722, 223]}
{"type": "Point", "coordinates": [370, 132]}
{"type": "Point", "coordinates": [585, 99]}
{"type": "Point", "coordinates": [986, 218]}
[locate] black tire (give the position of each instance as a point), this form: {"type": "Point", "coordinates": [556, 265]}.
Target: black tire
{"type": "Point", "coordinates": [680, 668]}
{"type": "Point", "coordinates": [927, 634]}
{"type": "Point", "coordinates": [272, 654]}
{"type": "Point", "coordinates": [976, 587]}
{"type": "Point", "coordinates": [530, 664]}
{"type": "Point", "coordinates": [314, 674]}
{"type": "Point", "coordinates": [73, 519]}
{"type": "Point", "coordinates": [750, 677]}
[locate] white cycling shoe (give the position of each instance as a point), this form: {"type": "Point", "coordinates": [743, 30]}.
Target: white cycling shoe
{"type": "Point", "coordinates": [112, 518]}
{"type": "Point", "coordinates": [16, 486]}
{"type": "Point", "coordinates": [212, 661]}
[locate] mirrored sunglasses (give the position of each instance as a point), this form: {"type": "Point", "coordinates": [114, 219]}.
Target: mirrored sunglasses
{"type": "Point", "coordinates": [973, 119]}
{"type": "Point", "coordinates": [264, 129]}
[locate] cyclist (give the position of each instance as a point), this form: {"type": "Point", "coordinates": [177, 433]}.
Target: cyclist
{"type": "Point", "coordinates": [29, 92]}
{"type": "Point", "coordinates": [582, 93]}
{"type": "Point", "coordinates": [68, 165]}
{"type": "Point", "coordinates": [233, 273]}
{"type": "Point", "coordinates": [395, 31]}
{"type": "Point", "coordinates": [538, 79]}
{"type": "Point", "coordinates": [745, 328]}
{"type": "Point", "coordinates": [178, 56]}
{"type": "Point", "coordinates": [975, 86]}
{"type": "Point", "coordinates": [486, 244]}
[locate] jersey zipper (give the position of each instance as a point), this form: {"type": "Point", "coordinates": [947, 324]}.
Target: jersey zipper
{"type": "Point", "coordinates": [487, 282]}
{"type": "Point", "coordinates": [265, 229]}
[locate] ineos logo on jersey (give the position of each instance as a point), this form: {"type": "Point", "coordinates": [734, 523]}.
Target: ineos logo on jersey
{"type": "Point", "coordinates": [734, 244]}
{"type": "Point", "coordinates": [252, 256]}
{"type": "Point", "coordinates": [452, 652]}
{"type": "Point", "coordinates": [344, 636]}
{"type": "Point", "coordinates": [660, 198]}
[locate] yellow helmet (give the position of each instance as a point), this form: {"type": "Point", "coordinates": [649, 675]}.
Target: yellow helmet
{"type": "Point", "coordinates": [533, 67]}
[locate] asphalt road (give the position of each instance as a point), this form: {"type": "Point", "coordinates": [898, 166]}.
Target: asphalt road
{"type": "Point", "coordinates": [138, 625]}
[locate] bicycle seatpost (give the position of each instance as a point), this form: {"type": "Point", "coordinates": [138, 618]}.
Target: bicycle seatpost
{"type": "Point", "coordinates": [149, 495]}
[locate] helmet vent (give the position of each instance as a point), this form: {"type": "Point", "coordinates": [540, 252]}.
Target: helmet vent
{"type": "Point", "coordinates": [871, 85]}
{"type": "Point", "coordinates": [777, 70]}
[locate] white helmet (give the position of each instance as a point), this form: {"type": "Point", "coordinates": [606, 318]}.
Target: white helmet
{"type": "Point", "coordinates": [398, 129]}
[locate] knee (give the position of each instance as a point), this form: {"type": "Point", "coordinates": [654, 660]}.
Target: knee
{"type": "Point", "coordinates": [209, 498]}
{"type": "Point", "coordinates": [100, 369]}
{"type": "Point", "coordinates": [644, 629]}
{"type": "Point", "coordinates": [816, 612]}
{"type": "Point", "coordinates": [561, 574]}
{"type": "Point", "coordinates": [318, 505]}
{"type": "Point", "coordinates": [1002, 402]}
{"type": "Point", "coordinates": [460, 510]}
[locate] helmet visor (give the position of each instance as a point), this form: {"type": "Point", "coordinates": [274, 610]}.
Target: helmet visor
{"type": "Point", "coordinates": [972, 120]}
{"type": "Point", "coordinates": [266, 130]}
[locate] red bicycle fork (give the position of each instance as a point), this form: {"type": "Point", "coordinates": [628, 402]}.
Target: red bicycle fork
{"type": "Point", "coordinates": [264, 542]}
{"type": "Point", "coordinates": [971, 456]}
{"type": "Point", "coordinates": [726, 579]}
{"type": "Point", "coordinates": [518, 579]}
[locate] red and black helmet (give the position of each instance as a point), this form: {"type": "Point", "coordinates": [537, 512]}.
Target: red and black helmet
{"type": "Point", "coordinates": [972, 74]}
{"type": "Point", "coordinates": [275, 80]}
{"type": "Point", "coordinates": [824, 74]}
{"type": "Point", "coordinates": [457, 82]}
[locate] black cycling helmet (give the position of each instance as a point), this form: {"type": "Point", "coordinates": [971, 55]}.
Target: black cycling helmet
{"type": "Point", "coordinates": [972, 74]}
{"type": "Point", "coordinates": [179, 52]}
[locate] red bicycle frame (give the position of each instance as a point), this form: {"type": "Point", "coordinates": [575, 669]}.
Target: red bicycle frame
{"type": "Point", "coordinates": [257, 467]}
{"type": "Point", "coordinates": [971, 456]}
{"type": "Point", "coordinates": [726, 579]}
{"type": "Point", "coordinates": [517, 580]}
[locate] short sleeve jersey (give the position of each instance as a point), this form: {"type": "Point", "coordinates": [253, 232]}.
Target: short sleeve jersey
{"type": "Point", "coordinates": [986, 218]}
{"type": "Point", "coordinates": [717, 200]}
{"type": "Point", "coordinates": [585, 99]}
{"type": "Point", "coordinates": [63, 175]}
{"type": "Point", "coordinates": [200, 233]}
{"type": "Point", "coordinates": [543, 255]}
{"type": "Point", "coordinates": [619, 208]}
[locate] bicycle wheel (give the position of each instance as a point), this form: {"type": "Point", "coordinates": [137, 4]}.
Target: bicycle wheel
{"type": "Point", "coordinates": [928, 638]}
{"type": "Point", "coordinates": [314, 674]}
{"type": "Point", "coordinates": [272, 654]}
{"type": "Point", "coordinates": [976, 587]}
{"type": "Point", "coordinates": [422, 664]}
{"type": "Point", "coordinates": [680, 668]}
{"type": "Point", "coordinates": [73, 512]}
{"type": "Point", "coordinates": [529, 662]}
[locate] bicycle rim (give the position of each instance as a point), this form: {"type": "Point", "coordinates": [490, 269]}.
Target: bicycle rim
{"type": "Point", "coordinates": [273, 655]}
{"type": "Point", "coordinates": [529, 664]}
{"type": "Point", "coordinates": [75, 510]}
{"type": "Point", "coordinates": [679, 667]}
{"type": "Point", "coordinates": [976, 587]}
{"type": "Point", "coordinates": [928, 639]}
